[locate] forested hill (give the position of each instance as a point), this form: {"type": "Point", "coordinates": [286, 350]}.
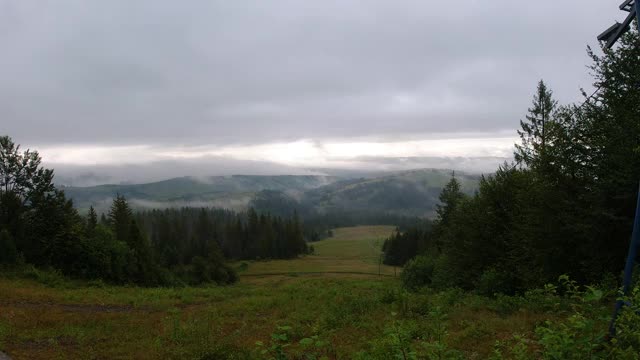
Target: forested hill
{"type": "Point", "coordinates": [407, 193]}
{"type": "Point", "coordinates": [230, 192]}
{"type": "Point", "coordinates": [413, 193]}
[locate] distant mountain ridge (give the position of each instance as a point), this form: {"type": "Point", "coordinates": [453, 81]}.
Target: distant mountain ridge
{"type": "Point", "coordinates": [233, 191]}
{"type": "Point", "coordinates": [410, 193]}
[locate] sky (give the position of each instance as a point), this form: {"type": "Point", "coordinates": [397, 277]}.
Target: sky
{"type": "Point", "coordinates": [277, 86]}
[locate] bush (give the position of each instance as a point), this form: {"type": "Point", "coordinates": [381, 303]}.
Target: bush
{"type": "Point", "coordinates": [626, 344]}
{"type": "Point", "coordinates": [204, 270]}
{"type": "Point", "coordinates": [8, 251]}
{"type": "Point", "coordinates": [493, 282]}
{"type": "Point", "coordinates": [51, 278]}
{"type": "Point", "coordinates": [445, 276]}
{"type": "Point", "coordinates": [418, 272]}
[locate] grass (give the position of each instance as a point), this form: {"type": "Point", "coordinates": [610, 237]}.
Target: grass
{"type": "Point", "coordinates": [334, 301]}
{"type": "Point", "coordinates": [354, 250]}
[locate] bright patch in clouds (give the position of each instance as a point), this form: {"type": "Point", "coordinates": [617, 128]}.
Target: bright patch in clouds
{"type": "Point", "coordinates": [306, 153]}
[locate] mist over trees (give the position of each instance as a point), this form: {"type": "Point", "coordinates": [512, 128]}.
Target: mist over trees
{"type": "Point", "coordinates": [565, 207]}
{"type": "Point", "coordinates": [40, 227]}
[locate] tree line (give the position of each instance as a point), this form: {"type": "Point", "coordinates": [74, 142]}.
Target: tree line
{"type": "Point", "coordinates": [565, 206]}
{"type": "Point", "coordinates": [180, 234]}
{"type": "Point", "coordinates": [40, 226]}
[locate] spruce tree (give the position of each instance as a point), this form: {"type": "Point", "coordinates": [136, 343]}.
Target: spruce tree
{"type": "Point", "coordinates": [92, 222]}
{"type": "Point", "coordinates": [145, 268]}
{"type": "Point", "coordinates": [536, 129]}
{"type": "Point", "coordinates": [450, 197]}
{"type": "Point", "coordinates": [119, 218]}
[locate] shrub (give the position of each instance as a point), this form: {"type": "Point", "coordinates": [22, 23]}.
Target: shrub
{"type": "Point", "coordinates": [50, 277]}
{"type": "Point", "coordinates": [8, 251]}
{"type": "Point", "coordinates": [626, 344]}
{"type": "Point", "coordinates": [493, 282]}
{"type": "Point", "coordinates": [418, 272]}
{"type": "Point", "coordinates": [445, 276]}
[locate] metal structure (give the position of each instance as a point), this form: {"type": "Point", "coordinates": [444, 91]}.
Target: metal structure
{"type": "Point", "coordinates": [610, 37]}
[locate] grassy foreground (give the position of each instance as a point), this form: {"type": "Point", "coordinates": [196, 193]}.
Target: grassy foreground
{"type": "Point", "coordinates": [332, 304]}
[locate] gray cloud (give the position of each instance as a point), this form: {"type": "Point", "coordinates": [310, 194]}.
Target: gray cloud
{"type": "Point", "coordinates": [221, 72]}
{"type": "Point", "coordinates": [90, 175]}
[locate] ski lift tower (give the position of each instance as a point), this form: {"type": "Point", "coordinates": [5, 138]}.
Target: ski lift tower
{"type": "Point", "coordinates": [610, 37]}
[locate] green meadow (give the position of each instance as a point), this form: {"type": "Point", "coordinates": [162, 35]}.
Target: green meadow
{"type": "Point", "coordinates": [336, 304]}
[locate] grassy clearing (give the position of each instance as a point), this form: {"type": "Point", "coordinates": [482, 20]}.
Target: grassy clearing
{"type": "Point", "coordinates": [336, 315]}
{"type": "Point", "coordinates": [355, 250]}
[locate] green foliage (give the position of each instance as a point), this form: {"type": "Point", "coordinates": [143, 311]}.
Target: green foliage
{"type": "Point", "coordinates": [275, 349]}
{"type": "Point", "coordinates": [626, 343]}
{"type": "Point", "coordinates": [51, 278]}
{"type": "Point", "coordinates": [8, 250]}
{"type": "Point", "coordinates": [178, 235]}
{"type": "Point", "coordinates": [400, 247]}
{"type": "Point", "coordinates": [576, 338]}
{"type": "Point", "coordinates": [403, 339]}
{"type": "Point", "coordinates": [535, 133]}
{"type": "Point", "coordinates": [450, 197]}
{"type": "Point", "coordinates": [211, 270]}
{"type": "Point", "coordinates": [39, 223]}
{"type": "Point", "coordinates": [567, 209]}
{"type": "Point", "coordinates": [418, 272]}
{"type": "Point", "coordinates": [92, 222]}
{"type": "Point", "coordinates": [493, 282]}
{"type": "Point", "coordinates": [347, 308]}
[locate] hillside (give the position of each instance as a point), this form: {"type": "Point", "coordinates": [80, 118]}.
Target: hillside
{"type": "Point", "coordinates": [407, 193]}
{"type": "Point", "coordinates": [232, 192]}
{"type": "Point", "coordinates": [410, 193]}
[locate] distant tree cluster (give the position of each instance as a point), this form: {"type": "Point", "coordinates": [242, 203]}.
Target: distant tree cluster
{"type": "Point", "coordinates": [179, 235]}
{"type": "Point", "coordinates": [401, 246]}
{"type": "Point", "coordinates": [565, 207]}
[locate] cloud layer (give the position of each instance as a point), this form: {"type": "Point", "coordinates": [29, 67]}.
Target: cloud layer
{"type": "Point", "coordinates": [223, 74]}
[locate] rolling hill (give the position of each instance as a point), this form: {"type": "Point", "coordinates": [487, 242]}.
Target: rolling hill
{"type": "Point", "coordinates": [233, 192]}
{"type": "Point", "coordinates": [406, 193]}
{"type": "Point", "coordinates": [409, 193]}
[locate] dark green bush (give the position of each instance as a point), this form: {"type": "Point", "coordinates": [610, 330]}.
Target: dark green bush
{"type": "Point", "coordinates": [493, 282]}
{"type": "Point", "coordinates": [8, 250]}
{"type": "Point", "coordinates": [418, 272]}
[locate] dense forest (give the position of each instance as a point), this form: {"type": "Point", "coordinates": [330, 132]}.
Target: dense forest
{"type": "Point", "coordinates": [39, 226]}
{"type": "Point", "coordinates": [181, 234]}
{"type": "Point", "coordinates": [565, 206]}
{"type": "Point", "coordinates": [318, 224]}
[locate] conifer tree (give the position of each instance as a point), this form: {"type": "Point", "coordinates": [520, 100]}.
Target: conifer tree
{"type": "Point", "coordinates": [119, 218]}
{"type": "Point", "coordinates": [450, 197]}
{"type": "Point", "coordinates": [144, 266]}
{"type": "Point", "coordinates": [92, 222]}
{"type": "Point", "coordinates": [535, 133]}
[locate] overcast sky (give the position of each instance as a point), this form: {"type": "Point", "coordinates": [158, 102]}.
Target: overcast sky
{"type": "Point", "coordinates": [295, 82]}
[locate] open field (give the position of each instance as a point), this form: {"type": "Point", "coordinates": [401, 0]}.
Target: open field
{"type": "Point", "coordinates": [336, 312]}
{"type": "Point", "coordinates": [355, 250]}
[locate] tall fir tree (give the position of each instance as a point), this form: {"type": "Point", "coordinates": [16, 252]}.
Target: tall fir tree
{"type": "Point", "coordinates": [119, 218]}
{"type": "Point", "coordinates": [535, 130]}
{"type": "Point", "coordinates": [92, 222]}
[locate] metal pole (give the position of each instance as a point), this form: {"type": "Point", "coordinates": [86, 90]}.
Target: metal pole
{"type": "Point", "coordinates": [637, 2]}
{"type": "Point", "coordinates": [635, 236]}
{"type": "Point", "coordinates": [631, 260]}
{"type": "Point", "coordinates": [633, 248]}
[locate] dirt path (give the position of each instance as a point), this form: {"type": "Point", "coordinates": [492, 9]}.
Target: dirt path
{"type": "Point", "coordinates": [297, 273]}
{"type": "Point", "coordinates": [80, 308]}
